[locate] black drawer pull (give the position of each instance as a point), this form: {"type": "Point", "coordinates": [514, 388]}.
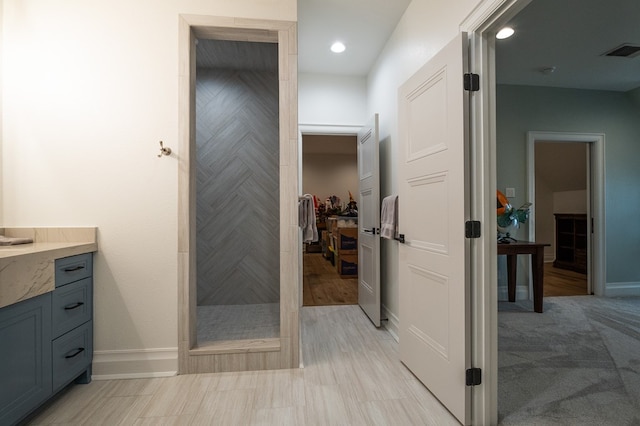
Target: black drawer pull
{"type": "Point", "coordinates": [75, 353]}
{"type": "Point", "coordinates": [73, 268]}
{"type": "Point", "coordinates": [74, 306]}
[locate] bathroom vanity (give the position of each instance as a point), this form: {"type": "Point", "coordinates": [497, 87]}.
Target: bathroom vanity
{"type": "Point", "coordinates": [46, 316]}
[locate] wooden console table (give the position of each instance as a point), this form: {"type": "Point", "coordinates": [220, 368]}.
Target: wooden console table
{"type": "Point", "coordinates": [536, 250]}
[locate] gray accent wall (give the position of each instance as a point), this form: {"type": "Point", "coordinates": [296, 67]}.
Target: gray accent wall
{"type": "Point", "coordinates": [522, 108]}
{"type": "Point", "coordinates": [635, 96]}
{"type": "Point", "coordinates": [238, 237]}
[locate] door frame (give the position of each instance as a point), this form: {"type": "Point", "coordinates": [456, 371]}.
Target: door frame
{"type": "Point", "coordinates": [481, 26]}
{"type": "Point", "coordinates": [275, 353]}
{"type": "Point", "coordinates": [595, 197]}
{"type": "Point", "coordinates": [323, 130]}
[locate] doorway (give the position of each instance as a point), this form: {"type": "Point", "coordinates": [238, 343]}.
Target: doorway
{"type": "Point", "coordinates": [562, 212]}
{"type": "Point", "coordinates": [568, 211]}
{"type": "Point", "coordinates": [237, 191]}
{"type": "Point", "coordinates": [243, 354]}
{"type": "Point", "coordinates": [330, 174]}
{"type": "Point", "coordinates": [513, 338]}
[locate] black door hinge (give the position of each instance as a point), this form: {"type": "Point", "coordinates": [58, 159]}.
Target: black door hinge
{"type": "Point", "coordinates": [471, 82]}
{"type": "Point", "coordinates": [474, 377]}
{"type": "Point", "coordinates": [472, 229]}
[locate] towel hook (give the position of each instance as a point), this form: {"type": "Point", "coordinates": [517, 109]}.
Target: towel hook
{"type": "Point", "coordinates": [164, 150]}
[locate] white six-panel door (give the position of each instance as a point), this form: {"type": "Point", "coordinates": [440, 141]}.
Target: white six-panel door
{"type": "Point", "coordinates": [432, 168]}
{"type": "Point", "coordinates": [369, 221]}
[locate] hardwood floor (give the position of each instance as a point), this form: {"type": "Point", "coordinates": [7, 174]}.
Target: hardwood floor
{"type": "Point", "coordinates": [323, 286]}
{"type": "Point", "coordinates": [562, 282]}
{"type": "Point", "coordinates": [352, 376]}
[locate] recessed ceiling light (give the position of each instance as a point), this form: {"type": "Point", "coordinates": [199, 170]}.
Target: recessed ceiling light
{"type": "Point", "coordinates": [338, 47]}
{"type": "Point", "coordinates": [506, 32]}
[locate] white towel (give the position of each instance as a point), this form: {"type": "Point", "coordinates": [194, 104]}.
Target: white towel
{"type": "Point", "coordinates": [389, 217]}
{"type": "Point", "coordinates": [12, 241]}
{"type": "Point", "coordinates": [307, 218]}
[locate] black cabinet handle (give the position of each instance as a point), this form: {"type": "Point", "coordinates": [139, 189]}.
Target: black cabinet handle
{"type": "Point", "coordinates": [75, 353]}
{"type": "Point", "coordinates": [74, 306]}
{"type": "Point", "coordinates": [74, 268]}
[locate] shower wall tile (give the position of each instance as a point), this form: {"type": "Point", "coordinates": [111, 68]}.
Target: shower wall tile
{"type": "Point", "coordinates": [238, 202]}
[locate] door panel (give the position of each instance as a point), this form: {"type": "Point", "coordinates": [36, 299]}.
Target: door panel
{"type": "Point", "coordinates": [369, 221]}
{"type": "Point", "coordinates": [433, 189]}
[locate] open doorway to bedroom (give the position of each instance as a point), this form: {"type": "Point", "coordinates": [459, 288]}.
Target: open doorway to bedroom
{"type": "Point", "coordinates": [570, 361]}
{"type": "Point", "coordinates": [565, 178]}
{"type": "Point", "coordinates": [563, 212]}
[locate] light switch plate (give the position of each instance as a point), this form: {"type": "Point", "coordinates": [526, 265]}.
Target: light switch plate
{"type": "Point", "coordinates": [510, 192]}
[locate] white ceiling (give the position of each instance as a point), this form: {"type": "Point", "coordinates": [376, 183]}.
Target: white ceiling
{"type": "Point", "coordinates": [362, 25]}
{"type": "Point", "coordinates": [572, 35]}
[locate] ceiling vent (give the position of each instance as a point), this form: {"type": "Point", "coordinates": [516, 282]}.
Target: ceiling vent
{"type": "Point", "coordinates": [626, 51]}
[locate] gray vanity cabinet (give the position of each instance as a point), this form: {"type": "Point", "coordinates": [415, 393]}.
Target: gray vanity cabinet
{"type": "Point", "coordinates": [25, 357]}
{"type": "Point", "coordinates": [46, 342]}
{"type": "Point", "coordinates": [72, 325]}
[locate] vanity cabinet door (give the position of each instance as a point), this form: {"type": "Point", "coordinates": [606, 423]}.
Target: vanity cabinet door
{"type": "Point", "coordinates": [25, 357]}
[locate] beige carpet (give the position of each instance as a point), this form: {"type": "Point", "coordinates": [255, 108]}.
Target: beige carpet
{"type": "Point", "coordinates": [578, 363]}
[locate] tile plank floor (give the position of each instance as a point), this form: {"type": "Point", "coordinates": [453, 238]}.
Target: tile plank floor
{"type": "Point", "coordinates": [351, 376]}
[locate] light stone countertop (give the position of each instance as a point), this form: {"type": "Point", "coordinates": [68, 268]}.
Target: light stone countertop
{"type": "Point", "coordinates": [28, 270]}
{"type": "Point", "coordinates": [60, 250]}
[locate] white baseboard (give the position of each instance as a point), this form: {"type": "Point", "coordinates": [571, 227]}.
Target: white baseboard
{"type": "Point", "coordinates": [133, 364]}
{"type": "Point", "coordinates": [392, 324]}
{"type": "Point", "coordinates": [622, 289]}
{"type": "Point", "coordinates": [133, 375]}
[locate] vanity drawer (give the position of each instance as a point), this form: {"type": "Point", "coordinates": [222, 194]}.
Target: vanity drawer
{"type": "Point", "coordinates": [72, 354]}
{"type": "Point", "coordinates": [73, 268]}
{"type": "Point", "coordinates": [72, 306]}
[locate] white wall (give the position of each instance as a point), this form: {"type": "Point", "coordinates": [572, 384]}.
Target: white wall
{"type": "Point", "coordinates": [325, 99]}
{"type": "Point", "coordinates": [570, 201]}
{"type": "Point", "coordinates": [426, 27]}
{"type": "Point", "coordinates": [89, 90]}
{"type": "Point", "coordinates": [330, 174]}
{"type": "Point", "coordinates": [545, 221]}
